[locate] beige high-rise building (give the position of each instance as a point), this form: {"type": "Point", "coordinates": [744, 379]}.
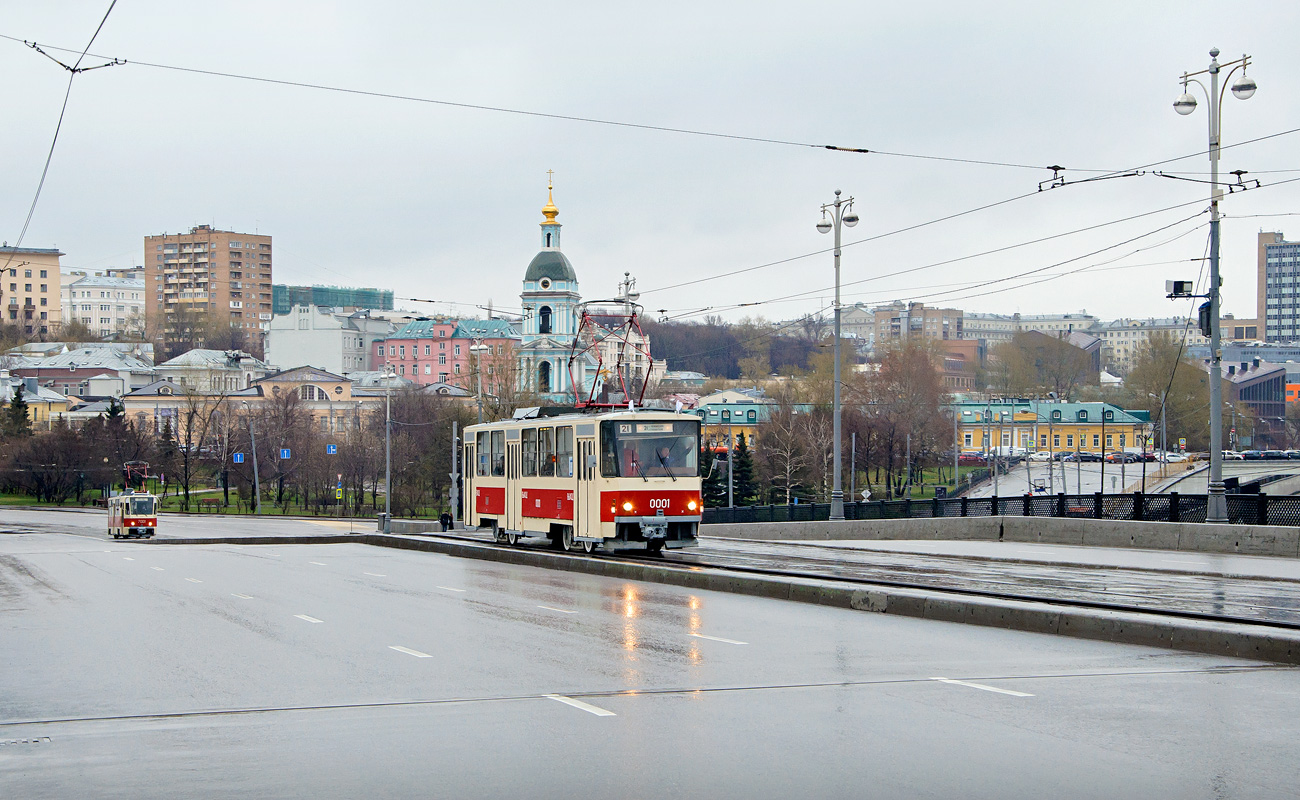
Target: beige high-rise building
{"type": "Point", "coordinates": [31, 288]}
{"type": "Point", "coordinates": [197, 281]}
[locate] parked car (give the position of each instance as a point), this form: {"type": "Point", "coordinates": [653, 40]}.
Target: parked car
{"type": "Point", "coordinates": [1233, 455]}
{"type": "Point", "coordinates": [1041, 455]}
{"type": "Point", "coordinates": [971, 459]}
{"type": "Point", "coordinates": [1090, 456]}
{"type": "Point", "coordinates": [1122, 458]}
{"type": "Point", "coordinates": [1271, 454]}
{"type": "Point", "coordinates": [1174, 458]}
{"type": "Point", "coordinates": [1252, 455]}
{"type": "Point", "coordinates": [1293, 454]}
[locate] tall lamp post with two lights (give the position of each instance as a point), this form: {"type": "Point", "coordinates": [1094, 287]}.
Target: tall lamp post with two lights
{"type": "Point", "coordinates": [833, 215]}
{"type": "Point", "coordinates": [1216, 509]}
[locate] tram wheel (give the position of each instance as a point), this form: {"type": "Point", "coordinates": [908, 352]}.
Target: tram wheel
{"type": "Point", "coordinates": [566, 538]}
{"type": "Point", "coordinates": [498, 535]}
{"type": "Point", "coordinates": [512, 539]}
{"type": "Point", "coordinates": [588, 547]}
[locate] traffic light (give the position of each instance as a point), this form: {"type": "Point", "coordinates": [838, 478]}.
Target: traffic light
{"type": "Point", "coordinates": [1206, 320]}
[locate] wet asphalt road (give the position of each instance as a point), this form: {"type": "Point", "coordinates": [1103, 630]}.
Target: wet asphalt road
{"type": "Point", "coordinates": [341, 670]}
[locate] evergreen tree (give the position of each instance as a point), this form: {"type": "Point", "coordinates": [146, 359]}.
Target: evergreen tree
{"type": "Point", "coordinates": [714, 483]}
{"type": "Point", "coordinates": [743, 486]}
{"type": "Point", "coordinates": [16, 423]}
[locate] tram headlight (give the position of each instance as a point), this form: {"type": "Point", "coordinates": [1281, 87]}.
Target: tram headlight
{"type": "Point", "coordinates": [627, 505]}
{"type": "Point", "coordinates": [692, 505]}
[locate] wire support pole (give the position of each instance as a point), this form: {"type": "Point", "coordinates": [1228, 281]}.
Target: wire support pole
{"type": "Point", "coordinates": [841, 213]}
{"type": "Point", "coordinates": [1216, 508]}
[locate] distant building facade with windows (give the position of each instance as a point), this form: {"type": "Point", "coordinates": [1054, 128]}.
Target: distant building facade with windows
{"type": "Point", "coordinates": [1279, 287]}
{"type": "Point", "coordinates": [109, 303]}
{"type": "Point", "coordinates": [31, 288]}
{"type": "Point", "coordinates": [428, 351]}
{"type": "Point", "coordinates": [284, 298]}
{"type": "Point", "coordinates": [221, 277]}
{"type": "Point", "coordinates": [331, 340]}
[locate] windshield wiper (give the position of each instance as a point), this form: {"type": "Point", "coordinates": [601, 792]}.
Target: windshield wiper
{"type": "Point", "coordinates": [640, 471]}
{"type": "Point", "coordinates": [667, 468]}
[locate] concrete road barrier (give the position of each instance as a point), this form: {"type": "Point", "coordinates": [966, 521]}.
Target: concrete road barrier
{"type": "Point", "coordinates": [1261, 540]}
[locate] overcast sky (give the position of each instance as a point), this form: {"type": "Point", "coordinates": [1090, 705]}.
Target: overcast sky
{"type": "Point", "coordinates": [443, 202]}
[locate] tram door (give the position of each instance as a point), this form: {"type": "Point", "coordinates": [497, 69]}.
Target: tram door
{"type": "Point", "coordinates": [587, 507]}
{"type": "Point", "coordinates": [514, 519]}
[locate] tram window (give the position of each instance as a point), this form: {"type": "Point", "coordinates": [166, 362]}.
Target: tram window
{"type": "Point", "coordinates": [483, 454]}
{"type": "Point", "coordinates": [499, 453]}
{"type": "Point", "coordinates": [546, 449]}
{"type": "Point", "coordinates": [529, 463]}
{"type": "Point", "coordinates": [649, 449]}
{"type": "Point", "coordinates": [564, 452]}
{"type": "Point", "coordinates": [142, 506]}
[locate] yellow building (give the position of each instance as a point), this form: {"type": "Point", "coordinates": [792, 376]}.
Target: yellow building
{"type": "Point", "coordinates": [1039, 425]}
{"type": "Point", "coordinates": [31, 288]}
{"type": "Point", "coordinates": [44, 406]}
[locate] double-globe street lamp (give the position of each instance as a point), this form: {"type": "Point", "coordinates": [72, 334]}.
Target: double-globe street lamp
{"type": "Point", "coordinates": [1216, 509]}
{"type": "Point", "coordinates": [840, 212]}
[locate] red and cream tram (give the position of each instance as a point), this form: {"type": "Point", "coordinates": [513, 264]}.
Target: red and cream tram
{"type": "Point", "coordinates": [133, 515]}
{"type": "Point", "coordinates": [616, 480]}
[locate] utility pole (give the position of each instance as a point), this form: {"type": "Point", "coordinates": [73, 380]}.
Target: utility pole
{"type": "Point", "coordinates": [453, 494]}
{"type": "Point", "coordinates": [841, 212]}
{"type": "Point", "coordinates": [257, 486]}
{"type": "Point", "coordinates": [853, 466]}
{"type": "Point", "coordinates": [388, 449]}
{"type": "Point", "coordinates": [955, 449]}
{"type": "Point", "coordinates": [731, 462]}
{"type": "Point", "coordinates": [1216, 507]}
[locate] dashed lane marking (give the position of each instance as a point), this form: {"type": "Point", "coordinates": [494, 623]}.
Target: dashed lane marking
{"type": "Point", "coordinates": [408, 651]}
{"type": "Point", "coordinates": [194, 580]}
{"type": "Point", "coordinates": [559, 610]}
{"type": "Point", "coordinates": [716, 638]}
{"type": "Point", "coordinates": [127, 558]}
{"type": "Point", "coordinates": [588, 707]}
{"type": "Point", "coordinates": [981, 686]}
{"type": "Point", "coordinates": [448, 588]}
{"type": "Point", "coordinates": [374, 574]}
{"type": "Point", "coordinates": [317, 563]}
{"type": "Point", "coordinates": [157, 569]}
{"type": "Point", "coordinates": [242, 596]}
{"type": "Point", "coordinates": [307, 618]}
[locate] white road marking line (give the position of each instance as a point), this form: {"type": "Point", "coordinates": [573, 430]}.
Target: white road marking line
{"type": "Point", "coordinates": [127, 558]}
{"type": "Point", "coordinates": [560, 610]}
{"type": "Point", "coordinates": [374, 574]}
{"type": "Point", "coordinates": [716, 638]}
{"type": "Point", "coordinates": [158, 569]}
{"type": "Point", "coordinates": [1178, 561]}
{"type": "Point", "coordinates": [409, 651]}
{"type": "Point", "coordinates": [243, 596]}
{"type": "Point", "coordinates": [448, 588]}
{"type": "Point", "coordinates": [1011, 692]}
{"type": "Point", "coordinates": [588, 707]}
{"type": "Point", "coordinates": [317, 563]}
{"type": "Point", "coordinates": [194, 580]}
{"type": "Point", "coordinates": [307, 618]}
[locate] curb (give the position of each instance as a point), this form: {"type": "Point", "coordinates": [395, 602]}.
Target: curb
{"type": "Point", "coordinates": [1122, 627]}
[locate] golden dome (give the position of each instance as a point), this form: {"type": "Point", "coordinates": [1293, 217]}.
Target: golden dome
{"type": "Point", "coordinates": [549, 210]}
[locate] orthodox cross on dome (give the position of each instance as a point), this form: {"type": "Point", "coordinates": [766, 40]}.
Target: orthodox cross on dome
{"type": "Point", "coordinates": [550, 228]}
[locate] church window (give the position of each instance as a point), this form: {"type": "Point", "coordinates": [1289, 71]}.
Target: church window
{"type": "Point", "coordinates": [544, 320]}
{"type": "Point", "coordinates": [544, 377]}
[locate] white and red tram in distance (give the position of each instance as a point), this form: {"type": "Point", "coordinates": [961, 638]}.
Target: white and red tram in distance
{"type": "Point", "coordinates": [133, 514]}
{"type": "Point", "coordinates": [613, 480]}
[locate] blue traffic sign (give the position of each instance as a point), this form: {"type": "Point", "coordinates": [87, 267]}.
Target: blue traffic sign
{"type": "Point", "coordinates": [238, 458]}
{"type": "Point", "coordinates": [331, 449]}
{"type": "Point", "coordinates": [284, 453]}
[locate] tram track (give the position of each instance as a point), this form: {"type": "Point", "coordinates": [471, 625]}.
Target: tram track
{"type": "Point", "coordinates": [1182, 597]}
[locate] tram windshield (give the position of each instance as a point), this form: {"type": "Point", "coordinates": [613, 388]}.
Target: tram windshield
{"type": "Point", "coordinates": [141, 506]}
{"type": "Point", "coordinates": [635, 449]}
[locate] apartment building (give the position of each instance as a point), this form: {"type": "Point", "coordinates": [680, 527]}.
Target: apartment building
{"type": "Point", "coordinates": [899, 321]}
{"type": "Point", "coordinates": [326, 338]}
{"type": "Point", "coordinates": [31, 287]}
{"type": "Point", "coordinates": [1279, 286]}
{"type": "Point", "coordinates": [207, 276]}
{"type": "Point", "coordinates": [108, 303]}
{"type": "Point", "coordinates": [1123, 339]}
{"type": "Point", "coordinates": [997, 328]}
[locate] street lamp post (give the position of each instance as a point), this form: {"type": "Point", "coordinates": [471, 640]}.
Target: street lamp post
{"type": "Point", "coordinates": [389, 376]}
{"type": "Point", "coordinates": [841, 212]}
{"type": "Point", "coordinates": [252, 441]}
{"type": "Point", "coordinates": [478, 349]}
{"type": "Point", "coordinates": [1216, 509]}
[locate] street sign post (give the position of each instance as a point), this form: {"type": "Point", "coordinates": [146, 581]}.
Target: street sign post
{"type": "Point", "coordinates": [238, 458]}
{"type": "Point", "coordinates": [331, 449]}
{"type": "Point", "coordinates": [284, 453]}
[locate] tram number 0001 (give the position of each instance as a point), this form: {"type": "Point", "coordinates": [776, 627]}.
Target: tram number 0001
{"type": "Point", "coordinates": [659, 502]}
